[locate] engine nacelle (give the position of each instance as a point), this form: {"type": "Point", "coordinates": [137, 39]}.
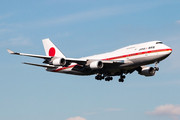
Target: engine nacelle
{"type": "Point", "coordinates": [96, 65]}
{"type": "Point", "coordinates": [59, 62]}
{"type": "Point", "coordinates": [147, 71]}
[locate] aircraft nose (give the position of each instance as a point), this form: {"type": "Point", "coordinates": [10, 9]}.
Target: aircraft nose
{"type": "Point", "coordinates": [169, 50]}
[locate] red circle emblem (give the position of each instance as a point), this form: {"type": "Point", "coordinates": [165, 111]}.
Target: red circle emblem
{"type": "Point", "coordinates": [52, 51]}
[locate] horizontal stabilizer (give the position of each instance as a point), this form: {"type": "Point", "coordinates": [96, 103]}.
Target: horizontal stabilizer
{"type": "Point", "coordinates": [46, 66]}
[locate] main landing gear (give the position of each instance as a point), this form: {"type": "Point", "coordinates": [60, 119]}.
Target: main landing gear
{"type": "Point", "coordinates": [109, 78]}
{"type": "Point", "coordinates": [122, 77]}
{"type": "Point", "coordinates": [100, 77]}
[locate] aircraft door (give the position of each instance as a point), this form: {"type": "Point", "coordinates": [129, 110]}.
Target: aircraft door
{"type": "Point", "coordinates": [131, 52]}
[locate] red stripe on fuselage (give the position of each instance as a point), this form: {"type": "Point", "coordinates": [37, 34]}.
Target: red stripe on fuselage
{"type": "Point", "coordinates": [118, 57]}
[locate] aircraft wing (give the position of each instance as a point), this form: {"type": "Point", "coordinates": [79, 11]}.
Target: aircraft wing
{"type": "Point", "coordinates": [85, 61]}
{"type": "Point", "coordinates": [116, 61]}
{"type": "Point", "coordinates": [70, 60]}
{"type": "Point", "coordinates": [78, 61]}
{"type": "Point", "coordinates": [30, 55]}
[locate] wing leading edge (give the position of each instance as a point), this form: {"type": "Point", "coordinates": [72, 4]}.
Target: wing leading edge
{"type": "Point", "coordinates": [30, 55]}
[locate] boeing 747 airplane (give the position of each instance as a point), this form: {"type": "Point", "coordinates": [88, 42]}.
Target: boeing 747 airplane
{"type": "Point", "coordinates": [116, 63]}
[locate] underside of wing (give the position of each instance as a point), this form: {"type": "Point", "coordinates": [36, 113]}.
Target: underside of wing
{"type": "Point", "coordinates": [78, 61]}
{"type": "Point", "coordinates": [39, 65]}
{"type": "Point", "coordinates": [116, 61]}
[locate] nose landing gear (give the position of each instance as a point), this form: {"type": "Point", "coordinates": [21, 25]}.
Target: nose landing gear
{"type": "Point", "coordinates": [156, 68]}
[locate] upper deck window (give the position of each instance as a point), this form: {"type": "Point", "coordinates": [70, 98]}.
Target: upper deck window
{"type": "Point", "coordinates": [159, 43]}
{"type": "Point", "coordinates": [131, 47]}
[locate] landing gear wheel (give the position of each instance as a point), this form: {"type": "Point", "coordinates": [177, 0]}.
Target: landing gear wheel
{"type": "Point", "coordinates": [108, 78]}
{"type": "Point", "coordinates": [122, 77]}
{"type": "Point", "coordinates": [156, 68]}
{"type": "Point", "coordinates": [99, 77]}
{"type": "Point", "coordinates": [121, 80]}
{"type": "Point", "coordinates": [156, 64]}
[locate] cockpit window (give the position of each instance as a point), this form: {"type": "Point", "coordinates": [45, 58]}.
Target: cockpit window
{"type": "Point", "coordinates": [159, 43]}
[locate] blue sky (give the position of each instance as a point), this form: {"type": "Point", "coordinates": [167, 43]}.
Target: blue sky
{"type": "Point", "coordinates": [81, 28]}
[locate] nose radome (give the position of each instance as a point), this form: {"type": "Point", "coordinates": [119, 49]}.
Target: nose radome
{"type": "Point", "coordinates": [170, 50]}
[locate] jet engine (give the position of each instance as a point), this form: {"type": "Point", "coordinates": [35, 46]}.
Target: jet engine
{"type": "Point", "coordinates": [96, 65]}
{"type": "Point", "coordinates": [59, 62]}
{"type": "Point", "coordinates": [147, 71]}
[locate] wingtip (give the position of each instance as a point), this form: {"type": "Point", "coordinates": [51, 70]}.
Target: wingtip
{"type": "Point", "coordinates": [10, 51]}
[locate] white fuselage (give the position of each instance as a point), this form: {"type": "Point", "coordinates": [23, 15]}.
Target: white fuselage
{"type": "Point", "coordinates": [133, 55]}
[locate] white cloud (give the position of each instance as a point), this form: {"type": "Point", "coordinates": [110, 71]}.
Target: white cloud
{"type": "Point", "coordinates": [97, 111]}
{"type": "Point", "coordinates": [178, 22]}
{"type": "Point", "coordinates": [113, 109]}
{"type": "Point", "coordinates": [76, 118]}
{"type": "Point", "coordinates": [90, 113]}
{"type": "Point", "coordinates": [166, 110]}
{"type": "Point", "coordinates": [20, 41]}
{"type": "Point", "coordinates": [5, 30]}
{"type": "Point", "coordinates": [5, 16]}
{"type": "Point", "coordinates": [94, 14]}
{"type": "Point", "coordinates": [66, 34]}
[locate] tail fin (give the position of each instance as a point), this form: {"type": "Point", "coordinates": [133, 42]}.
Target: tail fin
{"type": "Point", "coordinates": [51, 49]}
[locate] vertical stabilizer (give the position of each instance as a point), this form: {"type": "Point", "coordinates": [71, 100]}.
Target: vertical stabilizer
{"type": "Point", "coordinates": [51, 49]}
